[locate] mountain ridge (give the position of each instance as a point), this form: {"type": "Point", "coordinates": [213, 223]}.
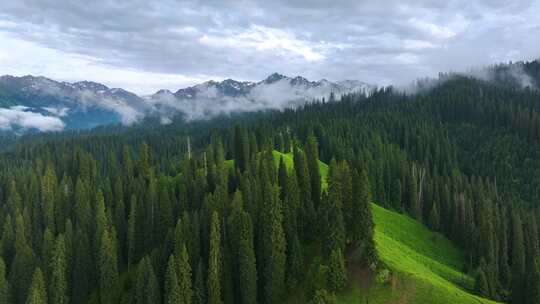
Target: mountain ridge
{"type": "Point", "coordinates": [86, 104]}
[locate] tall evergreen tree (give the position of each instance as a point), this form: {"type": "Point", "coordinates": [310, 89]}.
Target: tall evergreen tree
{"type": "Point", "coordinates": [59, 281]}
{"type": "Point", "coordinates": [308, 215]}
{"type": "Point", "coordinates": [147, 287]}
{"type": "Point", "coordinates": [199, 288]}
{"type": "Point", "coordinates": [82, 205]}
{"type": "Point", "coordinates": [171, 289]}
{"type": "Point", "coordinates": [291, 206]}
{"type": "Point", "coordinates": [47, 251]}
{"type": "Point", "coordinates": [331, 214]}
{"type": "Point", "coordinates": [532, 278]}
{"type": "Point", "coordinates": [214, 262]}
{"type": "Point", "coordinates": [517, 295]}
{"type": "Point", "coordinates": [337, 275]}
{"type": "Point", "coordinates": [48, 197]}
{"type": "Point", "coordinates": [434, 217]}
{"type": "Point", "coordinates": [99, 225]}
{"type": "Point", "coordinates": [8, 240]}
{"type": "Point", "coordinates": [347, 199]}
{"type": "Point", "coordinates": [184, 277]}
{"type": "Point", "coordinates": [362, 227]}
{"type": "Point", "coordinates": [312, 153]}
{"type": "Point", "coordinates": [241, 148]}
{"type": "Point", "coordinates": [273, 251]}
{"type": "Point", "coordinates": [481, 287]}
{"type": "Point", "coordinates": [164, 212]}
{"type": "Point", "coordinates": [37, 294]}
{"type": "Point", "coordinates": [82, 268]}
{"type": "Point", "coordinates": [108, 269]}
{"type": "Point", "coordinates": [5, 292]}
{"type": "Point", "coordinates": [396, 195]}
{"type": "Point", "coordinates": [413, 202]}
{"type": "Point", "coordinates": [23, 265]}
{"type": "Point", "coordinates": [132, 235]}
{"type": "Point", "coordinates": [241, 232]}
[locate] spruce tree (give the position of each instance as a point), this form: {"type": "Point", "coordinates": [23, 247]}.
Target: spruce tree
{"type": "Point", "coordinates": [322, 296]}
{"type": "Point", "coordinates": [23, 265]}
{"type": "Point", "coordinates": [241, 148]}
{"type": "Point", "coordinates": [347, 199]}
{"type": "Point", "coordinates": [337, 274]}
{"type": "Point", "coordinates": [69, 238]}
{"type": "Point", "coordinates": [184, 277]}
{"type": "Point", "coordinates": [362, 228]}
{"type": "Point", "coordinates": [59, 282]}
{"type": "Point", "coordinates": [517, 293]}
{"type": "Point", "coordinates": [199, 288]}
{"type": "Point", "coordinates": [308, 214]}
{"type": "Point", "coordinates": [82, 268]}
{"type": "Point", "coordinates": [48, 197]}
{"type": "Point", "coordinates": [214, 262]}
{"type": "Point", "coordinates": [153, 292]}
{"type": "Point", "coordinates": [164, 212]}
{"type": "Point", "coordinates": [291, 205]}
{"type": "Point", "coordinates": [312, 153]}
{"type": "Point", "coordinates": [82, 205]}
{"type": "Point", "coordinates": [147, 287]}
{"type": "Point", "coordinates": [396, 195]}
{"type": "Point", "coordinates": [120, 222]}
{"type": "Point", "coordinates": [108, 269]}
{"type": "Point", "coordinates": [247, 270]}
{"type": "Point", "coordinates": [282, 178]}
{"type": "Point", "coordinates": [47, 251]}
{"type": "Point", "coordinates": [481, 287]}
{"type": "Point", "coordinates": [273, 251]}
{"type": "Point", "coordinates": [5, 292]}
{"type": "Point", "coordinates": [8, 240]}
{"type": "Point", "coordinates": [434, 217]}
{"type": "Point", "coordinates": [14, 201]}
{"type": "Point", "coordinates": [413, 206]}
{"type": "Point", "coordinates": [132, 236]}
{"type": "Point", "coordinates": [533, 284]}
{"type": "Point", "coordinates": [37, 294]}
{"type": "Point", "coordinates": [532, 278]}
{"type": "Point", "coordinates": [171, 289]}
{"type": "Point", "coordinates": [331, 214]}
{"type": "Point", "coordinates": [504, 268]}
{"type": "Point", "coordinates": [99, 225]}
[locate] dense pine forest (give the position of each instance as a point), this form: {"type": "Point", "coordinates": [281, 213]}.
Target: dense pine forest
{"type": "Point", "coordinates": [242, 210]}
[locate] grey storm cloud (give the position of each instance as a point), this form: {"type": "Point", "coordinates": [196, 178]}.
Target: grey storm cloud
{"type": "Point", "coordinates": [183, 42]}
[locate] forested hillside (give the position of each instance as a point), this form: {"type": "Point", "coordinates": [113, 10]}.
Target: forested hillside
{"type": "Point", "coordinates": [209, 212]}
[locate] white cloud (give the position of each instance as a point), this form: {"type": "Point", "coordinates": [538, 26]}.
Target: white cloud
{"type": "Point", "coordinates": [146, 45]}
{"type": "Point", "coordinates": [407, 58]}
{"type": "Point", "coordinates": [414, 45]}
{"type": "Point", "coordinates": [277, 95]}
{"type": "Point", "coordinates": [435, 30]}
{"type": "Point", "coordinates": [265, 39]}
{"type": "Point", "coordinates": [20, 57]}
{"type": "Point", "coordinates": [17, 117]}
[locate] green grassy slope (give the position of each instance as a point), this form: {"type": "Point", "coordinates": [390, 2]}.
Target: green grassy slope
{"type": "Point", "coordinates": [289, 163]}
{"type": "Point", "coordinates": [426, 265]}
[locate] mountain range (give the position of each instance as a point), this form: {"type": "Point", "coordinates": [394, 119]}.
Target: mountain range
{"type": "Point", "coordinates": [42, 104]}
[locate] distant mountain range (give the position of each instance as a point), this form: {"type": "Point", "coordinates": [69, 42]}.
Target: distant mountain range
{"type": "Point", "coordinates": [42, 104]}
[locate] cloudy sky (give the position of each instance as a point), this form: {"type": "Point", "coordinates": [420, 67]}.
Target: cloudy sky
{"type": "Point", "coordinates": [145, 45]}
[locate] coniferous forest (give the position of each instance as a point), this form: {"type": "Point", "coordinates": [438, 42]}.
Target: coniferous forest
{"type": "Point", "coordinates": [269, 207]}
